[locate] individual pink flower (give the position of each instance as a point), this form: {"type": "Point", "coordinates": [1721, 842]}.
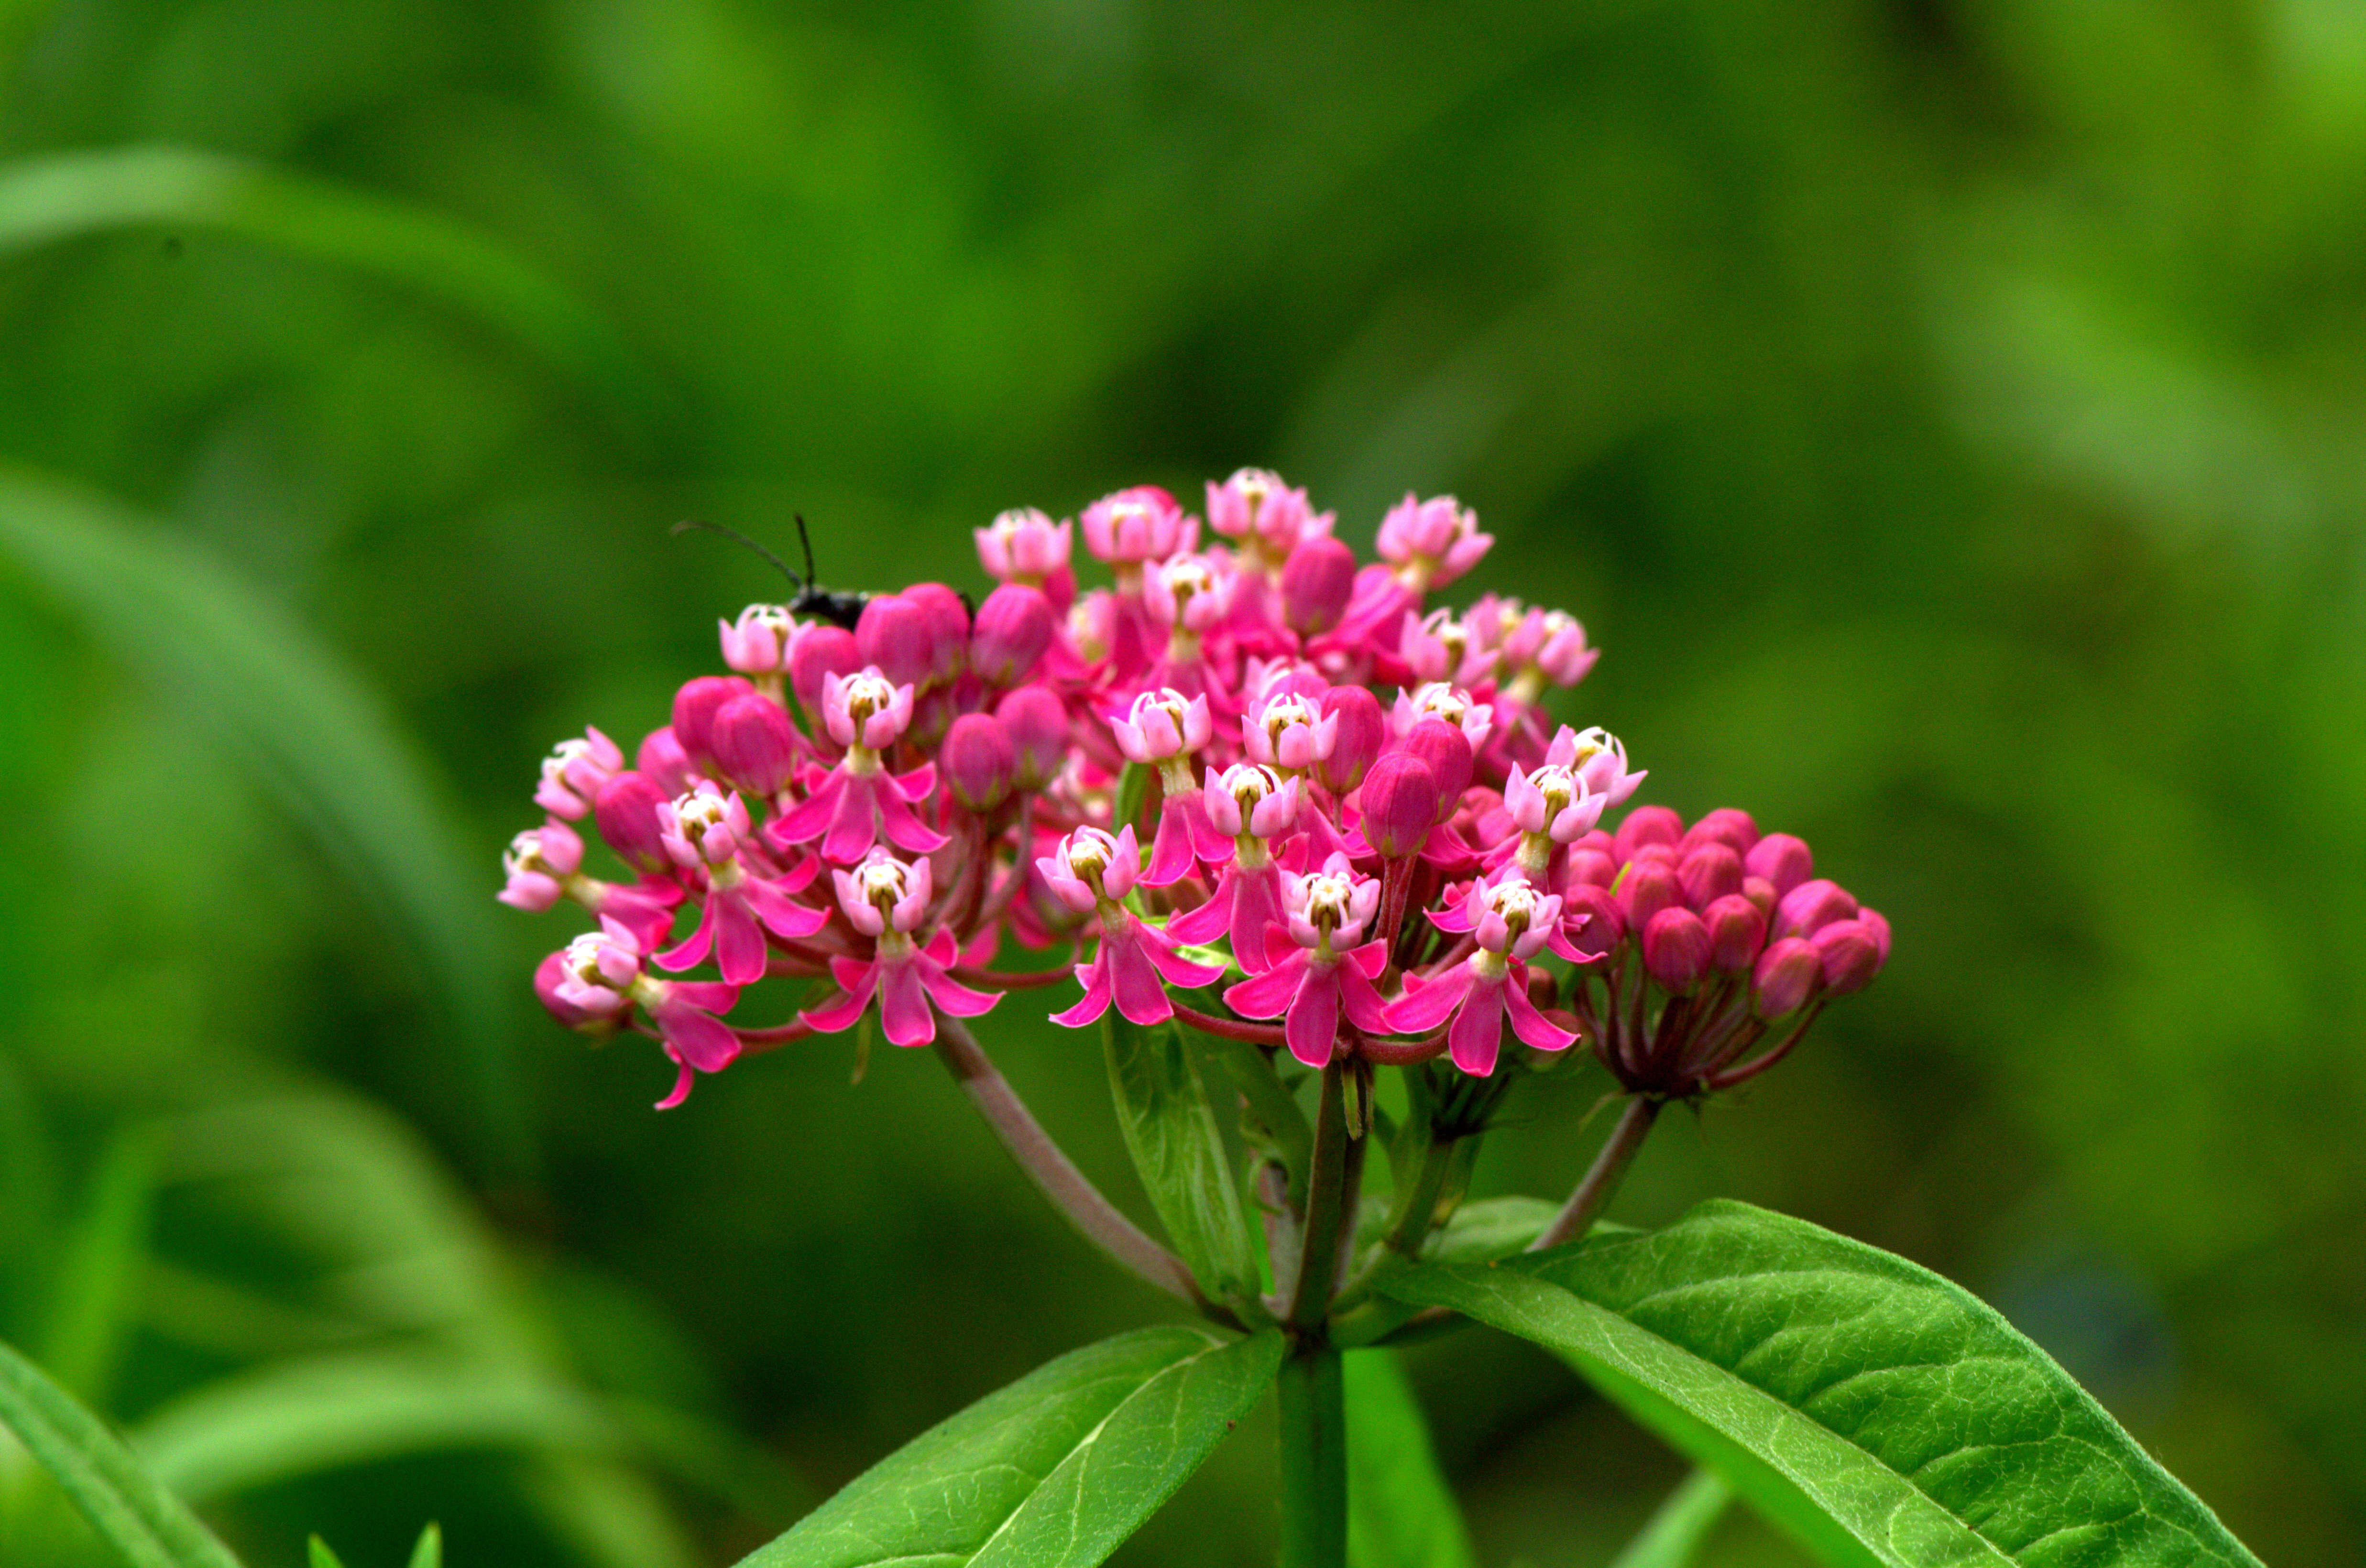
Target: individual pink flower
{"type": "Point", "coordinates": [1326, 972]}
{"type": "Point", "coordinates": [1187, 595]}
{"type": "Point", "coordinates": [707, 829]}
{"type": "Point", "coordinates": [1250, 804]}
{"type": "Point", "coordinates": [1090, 873]}
{"type": "Point", "coordinates": [1025, 546]}
{"type": "Point", "coordinates": [1163, 729]}
{"type": "Point", "coordinates": [573, 772]}
{"type": "Point", "coordinates": [757, 643]}
{"type": "Point", "coordinates": [1266, 518]}
{"type": "Point", "coordinates": [603, 977]}
{"type": "Point", "coordinates": [544, 864]}
{"type": "Point", "coordinates": [1431, 542]}
{"type": "Point", "coordinates": [1317, 583]}
{"type": "Point", "coordinates": [849, 807]}
{"type": "Point", "coordinates": [1442, 700]}
{"type": "Point", "coordinates": [1290, 731]}
{"type": "Point", "coordinates": [1132, 526]}
{"type": "Point", "coordinates": [1511, 921]}
{"type": "Point", "coordinates": [1599, 760]}
{"type": "Point", "coordinates": [1436, 648]}
{"type": "Point", "coordinates": [1550, 808]}
{"type": "Point", "coordinates": [887, 900]}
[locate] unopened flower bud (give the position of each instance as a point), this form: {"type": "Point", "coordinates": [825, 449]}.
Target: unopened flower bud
{"type": "Point", "coordinates": [1676, 949]}
{"type": "Point", "coordinates": [1602, 929]}
{"type": "Point", "coordinates": [1809, 907]}
{"type": "Point", "coordinates": [1708, 873]}
{"type": "Point", "coordinates": [1724, 825]}
{"type": "Point", "coordinates": [947, 619]}
{"type": "Point", "coordinates": [1014, 626]}
{"type": "Point", "coordinates": [663, 763]}
{"type": "Point", "coordinates": [1592, 866]}
{"type": "Point", "coordinates": [1442, 748]}
{"type": "Point", "coordinates": [1788, 973]}
{"type": "Point", "coordinates": [1850, 956]}
{"type": "Point", "coordinates": [1648, 824]}
{"type": "Point", "coordinates": [1400, 805]}
{"type": "Point", "coordinates": [1761, 895]}
{"type": "Point", "coordinates": [1736, 931]}
{"type": "Point", "coordinates": [822, 652]}
{"type": "Point", "coordinates": [1879, 926]}
{"type": "Point", "coordinates": [1037, 723]}
{"type": "Point", "coordinates": [1782, 860]}
{"type": "Point", "coordinates": [979, 761]}
{"type": "Point", "coordinates": [1362, 728]}
{"type": "Point", "coordinates": [1649, 887]}
{"type": "Point", "coordinates": [1316, 583]}
{"type": "Point", "coordinates": [695, 707]}
{"type": "Point", "coordinates": [625, 811]}
{"type": "Point", "coordinates": [755, 744]}
{"type": "Point", "coordinates": [897, 635]}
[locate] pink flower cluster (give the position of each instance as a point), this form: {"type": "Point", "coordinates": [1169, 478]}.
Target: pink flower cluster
{"type": "Point", "coordinates": [1192, 778]}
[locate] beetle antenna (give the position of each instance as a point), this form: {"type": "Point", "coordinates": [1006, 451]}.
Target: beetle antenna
{"type": "Point", "coordinates": [688, 523]}
{"type": "Point", "coordinates": [806, 540]}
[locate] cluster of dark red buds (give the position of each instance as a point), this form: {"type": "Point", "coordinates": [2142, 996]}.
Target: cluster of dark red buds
{"type": "Point", "coordinates": [1190, 777]}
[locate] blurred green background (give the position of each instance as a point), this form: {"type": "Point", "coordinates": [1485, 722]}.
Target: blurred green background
{"type": "Point", "coordinates": [1946, 413]}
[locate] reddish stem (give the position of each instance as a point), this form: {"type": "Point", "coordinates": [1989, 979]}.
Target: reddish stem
{"type": "Point", "coordinates": [1230, 1028]}
{"type": "Point", "coordinates": [996, 980]}
{"type": "Point", "coordinates": [1393, 1053]}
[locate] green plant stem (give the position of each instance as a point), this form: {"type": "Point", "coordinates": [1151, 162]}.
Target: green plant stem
{"type": "Point", "coordinates": [1318, 1245]}
{"type": "Point", "coordinates": [1593, 1195]}
{"type": "Point", "coordinates": [1053, 1171]}
{"type": "Point", "coordinates": [1314, 1460]}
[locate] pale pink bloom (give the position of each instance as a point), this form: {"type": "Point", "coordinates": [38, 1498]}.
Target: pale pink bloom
{"type": "Point", "coordinates": [886, 899]}
{"type": "Point", "coordinates": [865, 709]}
{"type": "Point", "coordinates": [1435, 647]}
{"type": "Point", "coordinates": [1090, 872]}
{"type": "Point", "coordinates": [1188, 594]}
{"type": "Point", "coordinates": [1438, 699]}
{"type": "Point", "coordinates": [1290, 731]}
{"type": "Point", "coordinates": [573, 772]}
{"type": "Point", "coordinates": [1599, 760]}
{"type": "Point", "coordinates": [1250, 799]}
{"type": "Point", "coordinates": [1256, 508]}
{"type": "Point", "coordinates": [1135, 525]}
{"type": "Point", "coordinates": [760, 641]}
{"type": "Point", "coordinates": [707, 829]}
{"type": "Point", "coordinates": [1431, 542]}
{"type": "Point", "coordinates": [603, 977]}
{"type": "Point", "coordinates": [1511, 922]}
{"type": "Point", "coordinates": [1163, 729]}
{"type": "Point", "coordinates": [1326, 972]}
{"type": "Point", "coordinates": [1250, 803]}
{"type": "Point", "coordinates": [1562, 655]}
{"type": "Point", "coordinates": [536, 865]}
{"type": "Point", "coordinates": [1023, 546]}
{"type": "Point", "coordinates": [1162, 724]}
{"type": "Point", "coordinates": [1548, 807]}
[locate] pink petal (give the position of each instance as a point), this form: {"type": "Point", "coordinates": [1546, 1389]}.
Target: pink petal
{"type": "Point", "coordinates": [1171, 857]}
{"type": "Point", "coordinates": [1135, 983]}
{"type": "Point", "coordinates": [918, 785]}
{"type": "Point", "coordinates": [703, 1040]}
{"type": "Point", "coordinates": [1257, 903]}
{"type": "Point", "coordinates": [1530, 1025]}
{"type": "Point", "coordinates": [785, 917]}
{"type": "Point", "coordinates": [854, 822]}
{"type": "Point", "coordinates": [1365, 1008]}
{"type": "Point", "coordinates": [904, 1015]}
{"type": "Point", "coordinates": [904, 830]}
{"type": "Point", "coordinates": [682, 1082]}
{"type": "Point", "coordinates": [1268, 995]}
{"type": "Point", "coordinates": [1425, 1004]}
{"type": "Point", "coordinates": [1179, 970]}
{"type": "Point", "coordinates": [950, 994]}
{"type": "Point", "coordinates": [809, 816]}
{"type": "Point", "coordinates": [1476, 1030]}
{"type": "Point", "coordinates": [858, 980]}
{"type": "Point", "coordinates": [708, 996]}
{"type": "Point", "coordinates": [1313, 1025]}
{"type": "Point", "coordinates": [1215, 847]}
{"type": "Point", "coordinates": [1372, 957]}
{"type": "Point", "coordinates": [738, 940]}
{"type": "Point", "coordinates": [1094, 977]}
{"type": "Point", "coordinates": [1210, 919]}
{"type": "Point", "coordinates": [692, 951]}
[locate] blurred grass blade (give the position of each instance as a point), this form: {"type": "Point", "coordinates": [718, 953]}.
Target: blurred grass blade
{"type": "Point", "coordinates": [307, 726]}
{"type": "Point", "coordinates": [1673, 1533]}
{"type": "Point", "coordinates": [123, 1502]}
{"type": "Point", "coordinates": [93, 1277]}
{"type": "Point", "coordinates": [318, 1555]}
{"type": "Point", "coordinates": [429, 1552]}
{"type": "Point", "coordinates": [1054, 1471]}
{"type": "Point", "coordinates": [1401, 1513]}
{"type": "Point", "coordinates": [62, 196]}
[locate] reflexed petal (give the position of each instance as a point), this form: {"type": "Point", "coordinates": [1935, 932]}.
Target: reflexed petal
{"type": "Point", "coordinates": [1424, 1005]}
{"type": "Point", "coordinates": [738, 940]}
{"type": "Point", "coordinates": [904, 1015]}
{"type": "Point", "coordinates": [1477, 1029]}
{"type": "Point", "coordinates": [1094, 977]}
{"type": "Point", "coordinates": [1532, 1026]}
{"type": "Point", "coordinates": [1314, 1024]}
{"type": "Point", "coordinates": [1138, 993]}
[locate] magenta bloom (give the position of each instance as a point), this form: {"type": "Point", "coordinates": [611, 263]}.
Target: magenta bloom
{"type": "Point", "coordinates": [1290, 731]}
{"type": "Point", "coordinates": [1254, 509]}
{"type": "Point", "coordinates": [573, 772]}
{"type": "Point", "coordinates": [1431, 542]}
{"type": "Point", "coordinates": [1596, 756]}
{"type": "Point", "coordinates": [1090, 873]}
{"type": "Point", "coordinates": [849, 806]}
{"type": "Point", "coordinates": [544, 864]}
{"type": "Point", "coordinates": [1026, 547]}
{"type": "Point", "coordinates": [1249, 804]}
{"type": "Point", "coordinates": [760, 641]}
{"type": "Point", "coordinates": [1550, 808]}
{"type": "Point", "coordinates": [706, 828]}
{"type": "Point", "coordinates": [887, 900]}
{"type": "Point", "coordinates": [602, 977]}
{"type": "Point", "coordinates": [1512, 921]}
{"type": "Point", "coordinates": [1163, 729]}
{"type": "Point", "coordinates": [1325, 972]}
{"type": "Point", "coordinates": [1132, 526]}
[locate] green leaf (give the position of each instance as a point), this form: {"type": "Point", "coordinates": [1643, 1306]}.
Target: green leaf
{"type": "Point", "coordinates": [1490, 1229]}
{"type": "Point", "coordinates": [1401, 1513]}
{"type": "Point", "coordinates": [64, 195]}
{"type": "Point", "coordinates": [1132, 789]}
{"type": "Point", "coordinates": [95, 1274]}
{"type": "Point", "coordinates": [319, 1555]}
{"type": "Point", "coordinates": [308, 729]}
{"type": "Point", "coordinates": [1878, 1412]}
{"type": "Point", "coordinates": [429, 1552]}
{"type": "Point", "coordinates": [1053, 1471]}
{"type": "Point", "coordinates": [1676, 1529]}
{"type": "Point", "coordinates": [1170, 1129]}
{"type": "Point", "coordinates": [1270, 1104]}
{"type": "Point", "coordinates": [125, 1503]}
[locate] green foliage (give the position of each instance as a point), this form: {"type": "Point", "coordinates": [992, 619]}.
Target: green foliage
{"type": "Point", "coordinates": [1676, 1530]}
{"type": "Point", "coordinates": [1053, 1471]}
{"type": "Point", "coordinates": [1401, 1512]}
{"type": "Point", "coordinates": [123, 1502]}
{"type": "Point", "coordinates": [1170, 1129]}
{"type": "Point", "coordinates": [318, 1554]}
{"type": "Point", "coordinates": [429, 1552]}
{"type": "Point", "coordinates": [1881, 1413]}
